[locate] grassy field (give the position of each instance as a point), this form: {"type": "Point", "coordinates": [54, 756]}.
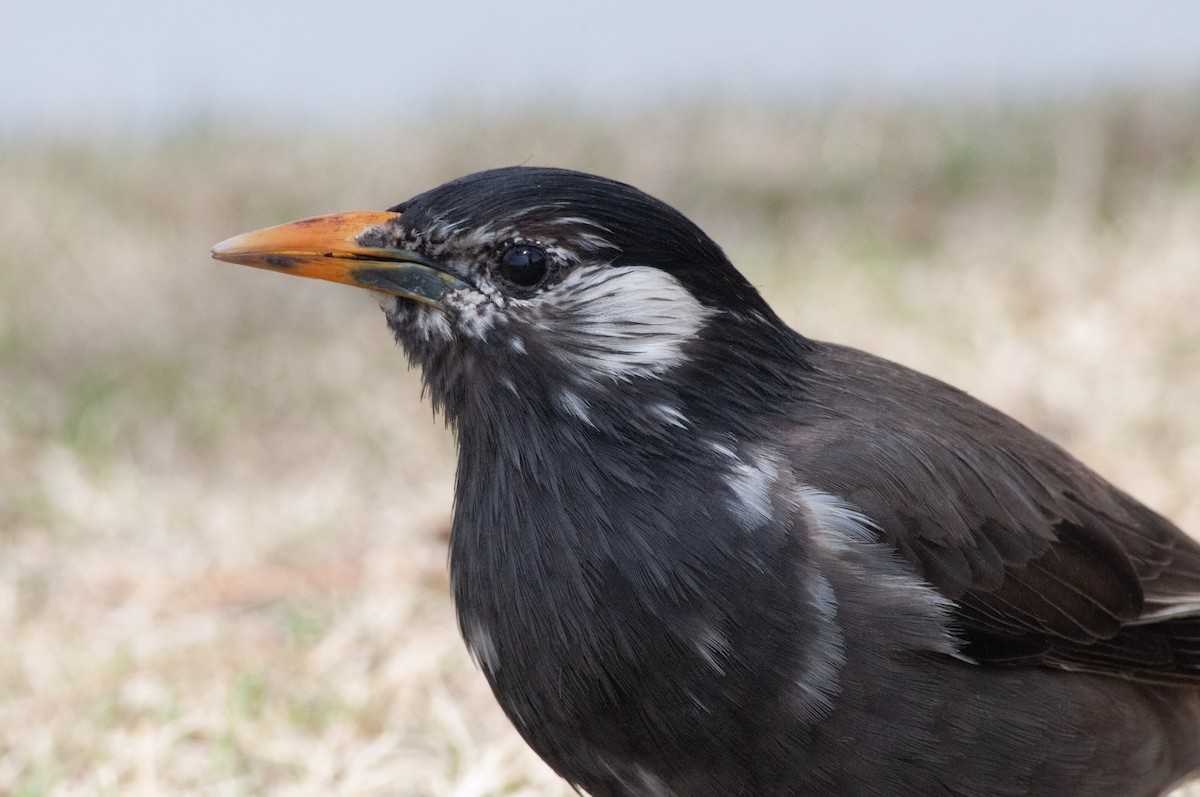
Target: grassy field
{"type": "Point", "coordinates": [224, 507]}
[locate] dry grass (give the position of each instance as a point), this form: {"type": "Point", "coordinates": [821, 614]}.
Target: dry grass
{"type": "Point", "coordinates": [224, 510]}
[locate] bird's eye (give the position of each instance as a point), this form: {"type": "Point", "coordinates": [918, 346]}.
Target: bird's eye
{"type": "Point", "coordinates": [524, 266]}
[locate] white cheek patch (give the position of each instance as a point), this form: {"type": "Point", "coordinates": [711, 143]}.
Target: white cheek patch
{"type": "Point", "coordinates": [603, 323]}
{"type": "Point", "coordinates": [619, 323]}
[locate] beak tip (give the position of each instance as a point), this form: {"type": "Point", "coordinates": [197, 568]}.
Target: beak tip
{"type": "Point", "coordinates": [225, 249]}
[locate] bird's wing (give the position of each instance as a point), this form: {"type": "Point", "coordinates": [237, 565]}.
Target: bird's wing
{"type": "Point", "coordinates": [1045, 561]}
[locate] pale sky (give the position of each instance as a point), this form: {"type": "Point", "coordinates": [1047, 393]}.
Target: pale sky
{"type": "Point", "coordinates": [67, 64]}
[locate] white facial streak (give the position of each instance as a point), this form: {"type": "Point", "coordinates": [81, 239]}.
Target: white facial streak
{"type": "Point", "coordinates": [618, 322]}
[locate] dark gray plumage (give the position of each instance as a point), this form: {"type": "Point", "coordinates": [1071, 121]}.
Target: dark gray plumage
{"type": "Point", "coordinates": [698, 554]}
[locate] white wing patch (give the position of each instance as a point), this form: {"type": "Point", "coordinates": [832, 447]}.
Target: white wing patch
{"type": "Point", "coordinates": [480, 645]}
{"type": "Point", "coordinates": [838, 525]}
{"type": "Point", "coordinates": [570, 403]}
{"type": "Point", "coordinates": [752, 481]}
{"type": "Point", "coordinates": [852, 543]}
{"type": "Point", "coordinates": [819, 684]}
{"type": "Point", "coordinates": [635, 779]}
{"type": "Point", "coordinates": [1158, 608]}
{"type": "Point", "coordinates": [670, 415]}
{"type": "Point", "coordinates": [713, 647]}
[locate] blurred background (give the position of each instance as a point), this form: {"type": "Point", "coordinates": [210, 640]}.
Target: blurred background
{"type": "Point", "coordinates": [224, 507]}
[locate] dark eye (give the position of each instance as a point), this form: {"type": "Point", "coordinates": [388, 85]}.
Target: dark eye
{"type": "Point", "coordinates": [524, 266]}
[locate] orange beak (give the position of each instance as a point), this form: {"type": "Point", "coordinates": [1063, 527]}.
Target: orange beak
{"type": "Point", "coordinates": [328, 248]}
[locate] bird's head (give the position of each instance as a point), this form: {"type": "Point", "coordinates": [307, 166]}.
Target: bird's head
{"type": "Point", "coordinates": [560, 290]}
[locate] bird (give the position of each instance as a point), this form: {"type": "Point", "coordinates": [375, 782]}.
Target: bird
{"type": "Point", "coordinates": [696, 553]}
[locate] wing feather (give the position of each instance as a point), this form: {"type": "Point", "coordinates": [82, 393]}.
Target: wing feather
{"type": "Point", "coordinates": [1046, 562]}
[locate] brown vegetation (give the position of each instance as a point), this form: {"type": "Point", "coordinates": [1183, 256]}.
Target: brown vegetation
{"type": "Point", "coordinates": [224, 507]}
